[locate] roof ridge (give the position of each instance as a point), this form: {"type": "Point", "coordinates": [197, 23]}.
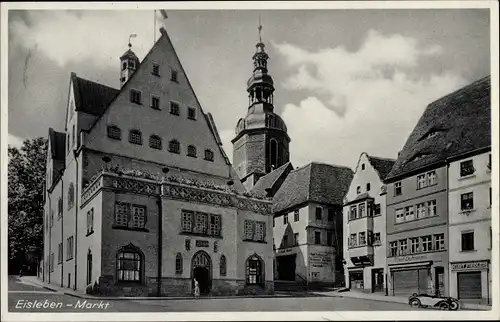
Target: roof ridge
{"type": "Point", "coordinates": [461, 89]}
{"type": "Point", "coordinates": [95, 82]}
{"type": "Point", "coordinates": [380, 158]}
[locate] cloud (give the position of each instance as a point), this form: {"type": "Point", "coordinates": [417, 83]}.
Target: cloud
{"type": "Point", "coordinates": [15, 141]}
{"type": "Point", "coordinates": [366, 100]}
{"type": "Point", "coordinates": [89, 30]}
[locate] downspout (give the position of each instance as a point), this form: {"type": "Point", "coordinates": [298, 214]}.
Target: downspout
{"type": "Point", "coordinates": [50, 234]}
{"type": "Point", "coordinates": [159, 254]}
{"type": "Point", "coordinates": [75, 153]}
{"type": "Point", "coordinates": [62, 230]}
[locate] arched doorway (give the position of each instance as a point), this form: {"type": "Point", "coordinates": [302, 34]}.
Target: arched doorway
{"type": "Point", "coordinates": [201, 269]}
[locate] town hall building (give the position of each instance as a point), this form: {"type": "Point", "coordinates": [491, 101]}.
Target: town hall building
{"type": "Point", "coordinates": [141, 198]}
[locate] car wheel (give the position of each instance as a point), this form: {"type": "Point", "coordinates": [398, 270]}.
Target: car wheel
{"type": "Point", "coordinates": [415, 303]}
{"type": "Point", "coordinates": [444, 306]}
{"type": "Point", "coordinates": [454, 305]}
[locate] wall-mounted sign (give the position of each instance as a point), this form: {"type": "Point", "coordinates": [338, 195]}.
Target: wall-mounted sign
{"type": "Point", "coordinates": [469, 266]}
{"type": "Point", "coordinates": [320, 259]}
{"type": "Point", "coordinates": [284, 250]}
{"type": "Point", "coordinates": [202, 243]}
{"type": "Point", "coordinates": [411, 258]}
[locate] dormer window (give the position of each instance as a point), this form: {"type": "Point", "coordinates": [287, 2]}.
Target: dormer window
{"type": "Point", "coordinates": [419, 156]}
{"type": "Point", "coordinates": [432, 134]}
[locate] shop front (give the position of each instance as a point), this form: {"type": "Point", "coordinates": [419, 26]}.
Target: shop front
{"type": "Point", "coordinates": [423, 273]}
{"type": "Point", "coordinates": [470, 281]}
{"type": "Point", "coordinates": [356, 280]}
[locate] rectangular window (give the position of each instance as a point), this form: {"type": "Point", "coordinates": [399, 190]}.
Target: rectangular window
{"type": "Point", "coordinates": [376, 239]}
{"type": "Point", "coordinates": [362, 212]}
{"type": "Point", "coordinates": [354, 212]}
{"type": "Point", "coordinates": [466, 168]}
{"type": "Point", "coordinates": [260, 229]}
{"type": "Point", "coordinates": [331, 214]}
{"type": "Point", "coordinates": [368, 187]}
{"type": "Point", "coordinates": [214, 227]}
{"type": "Point", "coordinates": [155, 102]}
{"type": "Point", "coordinates": [296, 239]}
{"type": "Point", "coordinates": [467, 201]}
{"type": "Point", "coordinates": [69, 248]}
{"type": "Point", "coordinates": [400, 215]}
{"type": "Point", "coordinates": [431, 208]}
{"type": "Point", "coordinates": [421, 181]}
{"type": "Point", "coordinates": [329, 238]}
{"type": "Point", "coordinates": [439, 242]}
{"type": "Point", "coordinates": [191, 113]}
{"type": "Point", "coordinates": [90, 221]}
{"type": "Point", "coordinates": [403, 246]}
{"type": "Point", "coordinates": [248, 230]}
{"type": "Point", "coordinates": [431, 178]}
{"type": "Point", "coordinates": [426, 242]}
{"type": "Point", "coordinates": [353, 242]}
{"type": "Point", "coordinates": [398, 189]}
{"type": "Point", "coordinates": [138, 216]}
{"type": "Point", "coordinates": [317, 237]}
{"type": "Point", "coordinates": [393, 248]}
{"type": "Point", "coordinates": [376, 209]}
{"type": "Point", "coordinates": [135, 96]}
{"type": "Point", "coordinates": [121, 214]}
{"type": "Point", "coordinates": [285, 219]}
{"type": "Point", "coordinates": [296, 215]}
{"type": "Point", "coordinates": [420, 210]}
{"type": "Point", "coordinates": [285, 241]}
{"type": "Point", "coordinates": [370, 238]}
{"type": "Point", "coordinates": [60, 253]}
{"type": "Point", "coordinates": [414, 246]}
{"type": "Point", "coordinates": [173, 75]}
{"type": "Point", "coordinates": [319, 211]}
{"type": "Point", "coordinates": [200, 223]}
{"type": "Point", "coordinates": [174, 108]}
{"type": "Point", "coordinates": [156, 70]}
{"type": "Point", "coordinates": [467, 241]}
{"type": "Point", "coordinates": [409, 214]}
{"type": "Point", "coordinates": [362, 238]}
{"type": "Point", "coordinates": [187, 221]}
{"type": "Point", "coordinates": [274, 221]}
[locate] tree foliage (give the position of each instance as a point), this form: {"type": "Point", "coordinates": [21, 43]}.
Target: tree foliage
{"type": "Point", "coordinates": [26, 181]}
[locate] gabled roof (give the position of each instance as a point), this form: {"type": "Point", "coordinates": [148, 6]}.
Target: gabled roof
{"type": "Point", "coordinates": [57, 141]}
{"type": "Point", "coordinates": [315, 182]}
{"type": "Point", "coordinates": [92, 97]}
{"type": "Point", "coordinates": [271, 180]}
{"type": "Point", "coordinates": [382, 165]}
{"type": "Point", "coordinates": [463, 123]}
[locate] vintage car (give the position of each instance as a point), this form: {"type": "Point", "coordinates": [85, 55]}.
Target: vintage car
{"type": "Point", "coordinates": [426, 300]}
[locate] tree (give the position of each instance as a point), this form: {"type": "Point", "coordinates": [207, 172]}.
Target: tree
{"type": "Point", "coordinates": [26, 181]}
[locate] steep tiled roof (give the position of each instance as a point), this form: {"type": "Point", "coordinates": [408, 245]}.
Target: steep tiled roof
{"type": "Point", "coordinates": [382, 165]}
{"type": "Point", "coordinates": [91, 97]}
{"type": "Point", "coordinates": [315, 182]}
{"type": "Point", "coordinates": [455, 124]}
{"type": "Point", "coordinates": [57, 144]}
{"type": "Point", "coordinates": [271, 180]}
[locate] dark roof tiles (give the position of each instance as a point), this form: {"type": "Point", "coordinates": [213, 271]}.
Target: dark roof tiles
{"type": "Point", "coordinates": [382, 165]}
{"type": "Point", "coordinates": [462, 122]}
{"type": "Point", "coordinates": [92, 97]}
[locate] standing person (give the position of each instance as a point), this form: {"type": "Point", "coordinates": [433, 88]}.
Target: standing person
{"type": "Point", "coordinates": [196, 288]}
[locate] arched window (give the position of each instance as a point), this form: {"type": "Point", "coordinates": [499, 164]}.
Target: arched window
{"type": "Point", "coordinates": [130, 264]}
{"type": "Point", "coordinates": [223, 265]}
{"type": "Point", "coordinates": [191, 151]}
{"type": "Point", "coordinates": [135, 137]}
{"type": "Point", "coordinates": [71, 195]}
{"type": "Point", "coordinates": [254, 270]}
{"type": "Point", "coordinates": [89, 267]}
{"type": "Point", "coordinates": [174, 146]}
{"type": "Point", "coordinates": [273, 146]}
{"type": "Point", "coordinates": [155, 142]}
{"type": "Point", "coordinates": [209, 155]}
{"type": "Point", "coordinates": [178, 264]}
{"type": "Point", "coordinates": [114, 132]}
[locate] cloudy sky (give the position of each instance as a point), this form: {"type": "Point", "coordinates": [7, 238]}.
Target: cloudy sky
{"type": "Point", "coordinates": [347, 81]}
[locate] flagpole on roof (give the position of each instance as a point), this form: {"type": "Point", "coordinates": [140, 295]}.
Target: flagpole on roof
{"type": "Point", "coordinates": [154, 27]}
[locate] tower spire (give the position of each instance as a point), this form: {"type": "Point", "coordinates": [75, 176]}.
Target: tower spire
{"type": "Point", "coordinates": [260, 30]}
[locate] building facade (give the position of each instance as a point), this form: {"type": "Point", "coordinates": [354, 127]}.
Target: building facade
{"type": "Point", "coordinates": [138, 205]}
{"type": "Point", "coordinates": [470, 232]}
{"type": "Point", "coordinates": [365, 225]}
{"type": "Point", "coordinates": [419, 191]}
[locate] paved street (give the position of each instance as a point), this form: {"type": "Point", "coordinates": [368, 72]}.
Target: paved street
{"type": "Point", "coordinates": [22, 295]}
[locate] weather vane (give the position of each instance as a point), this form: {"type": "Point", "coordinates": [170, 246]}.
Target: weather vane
{"type": "Point", "coordinates": [260, 30]}
{"type": "Point", "coordinates": [130, 37]}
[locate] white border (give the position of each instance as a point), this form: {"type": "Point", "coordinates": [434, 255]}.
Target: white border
{"type": "Point", "coordinates": [279, 316]}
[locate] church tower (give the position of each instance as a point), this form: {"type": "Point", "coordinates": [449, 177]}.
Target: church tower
{"type": "Point", "coordinates": [261, 143]}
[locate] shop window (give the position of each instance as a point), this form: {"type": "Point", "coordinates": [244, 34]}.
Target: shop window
{"type": "Point", "coordinates": [129, 264]}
